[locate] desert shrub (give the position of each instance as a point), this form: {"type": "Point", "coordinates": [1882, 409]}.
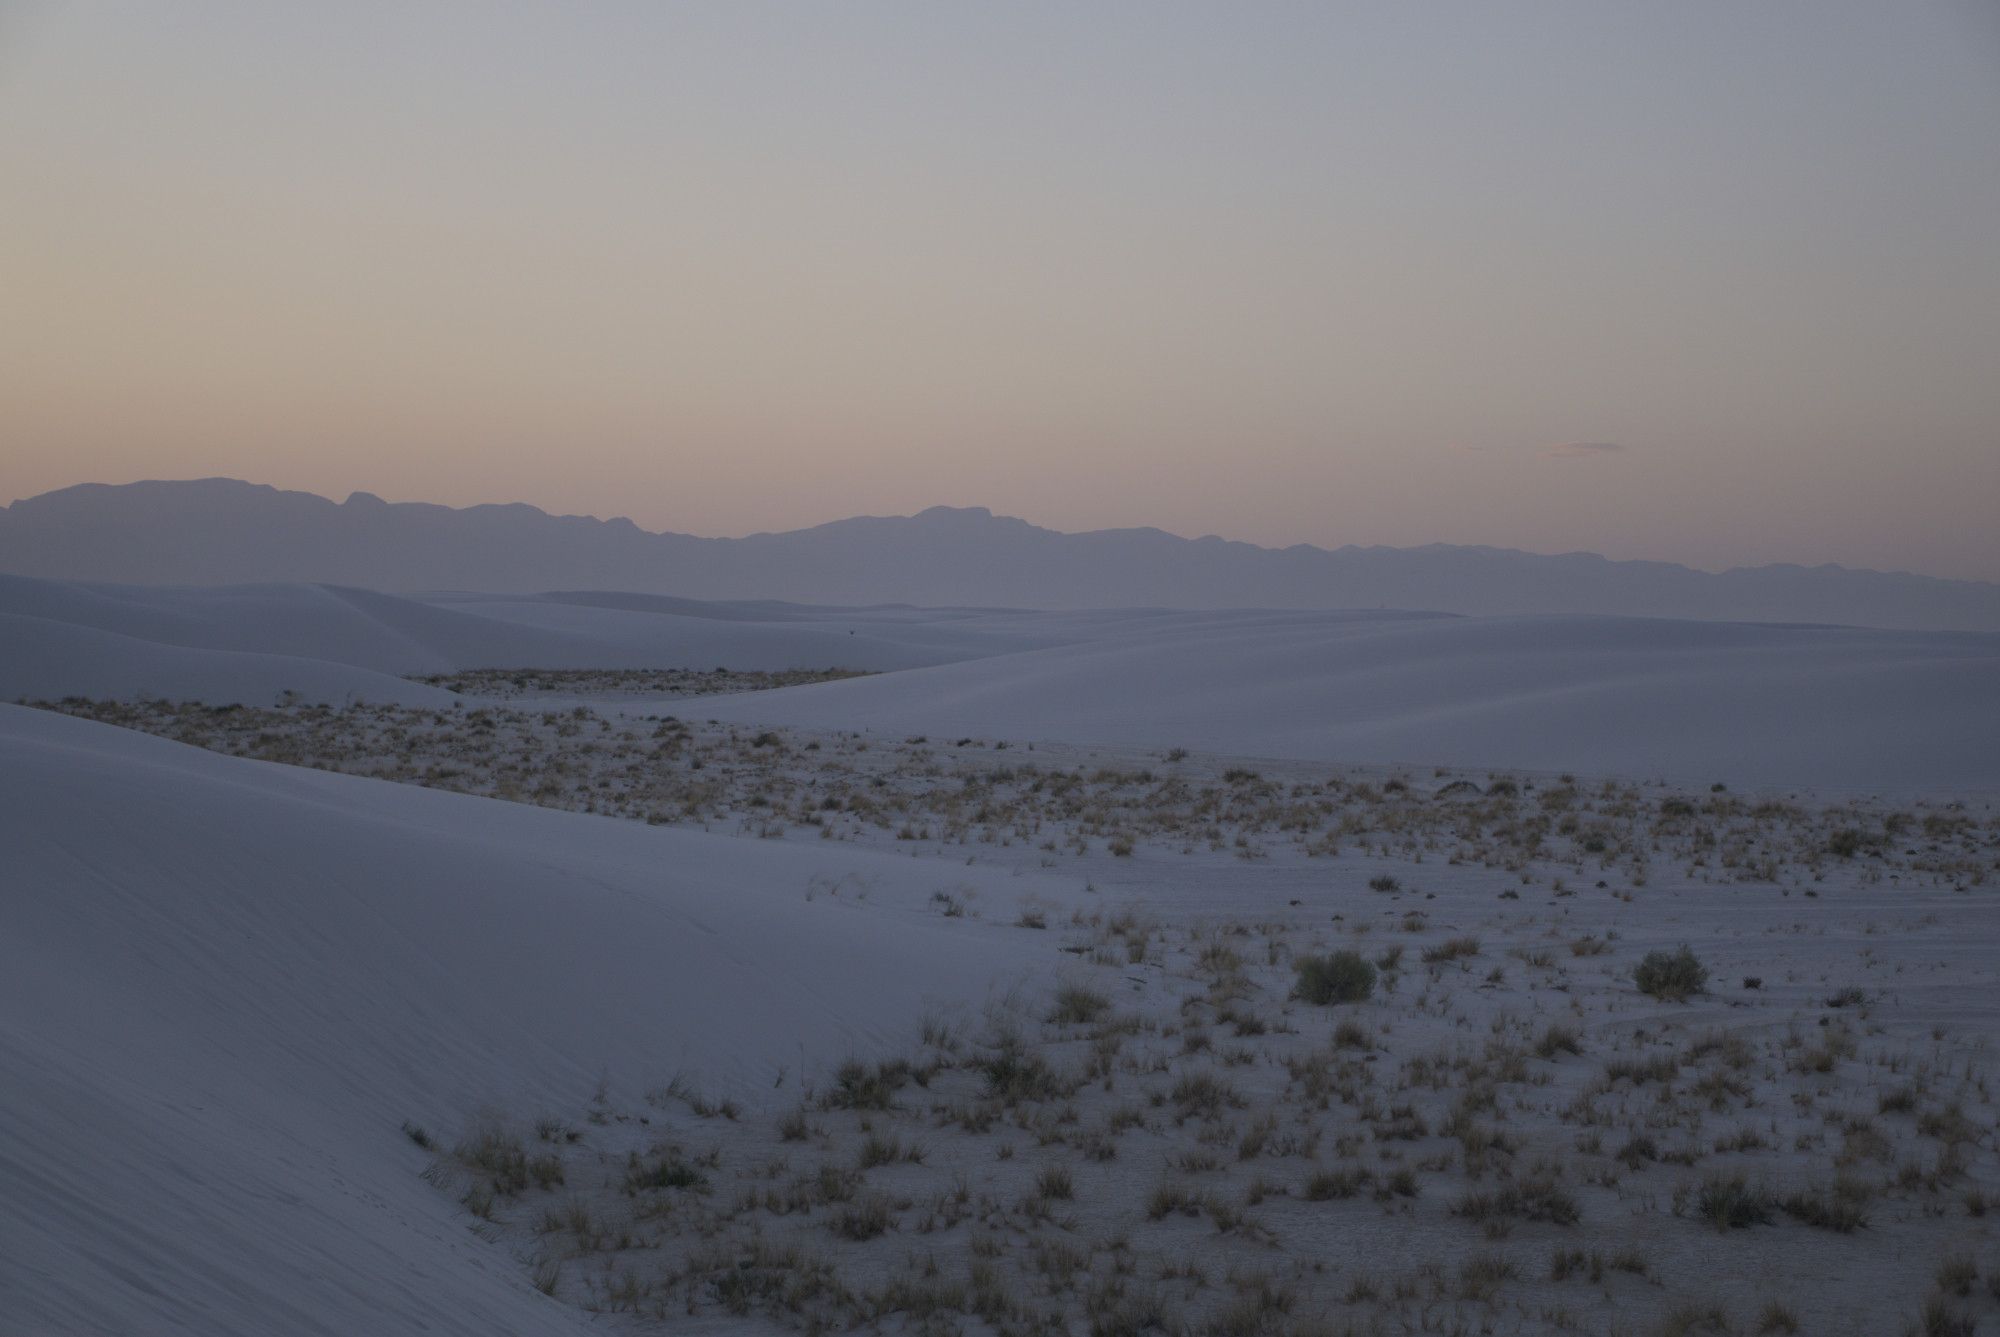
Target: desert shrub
{"type": "Point", "coordinates": [1697, 1320]}
{"type": "Point", "coordinates": [501, 1155]}
{"type": "Point", "coordinates": [1566, 1263]}
{"type": "Point", "coordinates": [665, 1170]}
{"type": "Point", "coordinates": [1533, 1199]}
{"type": "Point", "coordinates": [1843, 1207]}
{"type": "Point", "coordinates": [1451, 949]}
{"type": "Point", "coordinates": [864, 1220]}
{"type": "Point", "coordinates": [1342, 977]}
{"type": "Point", "coordinates": [547, 1172]}
{"type": "Point", "coordinates": [1639, 1071]}
{"type": "Point", "coordinates": [1956, 1274]}
{"type": "Point", "coordinates": [1897, 1100]}
{"type": "Point", "coordinates": [1731, 1203]}
{"type": "Point", "coordinates": [1351, 1035]}
{"type": "Point", "coordinates": [1401, 1184]}
{"type": "Point", "coordinates": [1170, 1198]}
{"type": "Point", "coordinates": [1939, 1319]}
{"type": "Point", "coordinates": [1674, 976]}
{"type": "Point", "coordinates": [1078, 1006]}
{"type": "Point", "coordinates": [858, 1086]}
{"type": "Point", "coordinates": [1203, 1093]}
{"type": "Point", "coordinates": [1013, 1075]}
{"type": "Point", "coordinates": [1776, 1317]}
{"type": "Point", "coordinates": [1329, 1185]}
{"type": "Point", "coordinates": [1480, 1276]}
{"type": "Point", "coordinates": [879, 1150]}
{"type": "Point", "coordinates": [1055, 1182]}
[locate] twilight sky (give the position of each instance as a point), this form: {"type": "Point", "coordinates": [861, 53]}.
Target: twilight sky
{"type": "Point", "coordinates": [1710, 282]}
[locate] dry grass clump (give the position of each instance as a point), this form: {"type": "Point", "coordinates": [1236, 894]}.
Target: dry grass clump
{"type": "Point", "coordinates": [1841, 1206]}
{"type": "Point", "coordinates": [664, 1169]}
{"type": "Point", "coordinates": [1451, 949]}
{"type": "Point", "coordinates": [500, 1155]}
{"type": "Point", "coordinates": [1015, 1073]}
{"type": "Point", "coordinates": [1731, 1202]}
{"type": "Point", "coordinates": [1339, 977]}
{"type": "Point", "coordinates": [1567, 1263]}
{"type": "Point", "coordinates": [861, 1086]}
{"type": "Point", "coordinates": [1335, 1185]}
{"type": "Point", "coordinates": [1076, 1005]}
{"type": "Point", "coordinates": [1540, 1198]}
{"type": "Point", "coordinates": [1939, 1319]}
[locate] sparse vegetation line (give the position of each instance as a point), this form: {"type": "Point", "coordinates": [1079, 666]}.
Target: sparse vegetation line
{"type": "Point", "coordinates": [509, 684]}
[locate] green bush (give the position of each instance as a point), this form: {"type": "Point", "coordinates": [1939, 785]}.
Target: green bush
{"type": "Point", "coordinates": [1671, 975]}
{"type": "Point", "coordinates": [1343, 977]}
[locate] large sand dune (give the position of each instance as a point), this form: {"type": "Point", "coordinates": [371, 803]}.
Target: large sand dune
{"type": "Point", "coordinates": [108, 640]}
{"type": "Point", "coordinates": [47, 660]}
{"type": "Point", "coordinates": [223, 985]}
{"type": "Point", "coordinates": [1692, 701]}
{"type": "Point", "coordinates": [1740, 703]}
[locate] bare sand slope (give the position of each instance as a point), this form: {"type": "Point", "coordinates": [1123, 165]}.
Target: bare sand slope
{"type": "Point", "coordinates": [397, 635]}
{"type": "Point", "coordinates": [1839, 708]}
{"type": "Point", "coordinates": [46, 661]}
{"type": "Point", "coordinates": [224, 985]}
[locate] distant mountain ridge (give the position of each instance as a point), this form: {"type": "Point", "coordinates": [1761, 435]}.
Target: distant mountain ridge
{"type": "Point", "coordinates": [224, 531]}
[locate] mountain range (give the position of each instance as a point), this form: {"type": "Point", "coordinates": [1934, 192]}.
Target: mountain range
{"type": "Point", "coordinates": [221, 531]}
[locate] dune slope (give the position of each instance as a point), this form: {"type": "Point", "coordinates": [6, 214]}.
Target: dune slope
{"type": "Point", "coordinates": [390, 634]}
{"type": "Point", "coordinates": [1691, 701]}
{"type": "Point", "coordinates": [224, 985]}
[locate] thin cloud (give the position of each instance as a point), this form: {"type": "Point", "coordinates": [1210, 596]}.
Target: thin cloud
{"type": "Point", "coordinates": [1582, 450]}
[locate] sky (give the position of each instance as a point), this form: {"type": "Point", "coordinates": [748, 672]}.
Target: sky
{"type": "Point", "coordinates": [1716, 283]}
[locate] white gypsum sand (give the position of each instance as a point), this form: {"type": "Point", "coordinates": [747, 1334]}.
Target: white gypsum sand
{"type": "Point", "coordinates": [1747, 704]}
{"type": "Point", "coordinates": [777, 1027]}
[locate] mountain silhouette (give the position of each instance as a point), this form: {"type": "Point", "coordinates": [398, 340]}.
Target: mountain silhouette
{"type": "Point", "coordinates": [224, 531]}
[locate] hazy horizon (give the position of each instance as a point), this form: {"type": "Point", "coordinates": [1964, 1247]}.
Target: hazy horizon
{"type": "Point", "coordinates": [1708, 284]}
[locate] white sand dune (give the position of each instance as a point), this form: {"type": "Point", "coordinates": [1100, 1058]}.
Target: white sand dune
{"type": "Point", "coordinates": [46, 661]}
{"type": "Point", "coordinates": [747, 636]}
{"type": "Point", "coordinates": [1692, 701]}
{"type": "Point", "coordinates": [224, 984]}
{"type": "Point", "coordinates": [396, 635]}
{"type": "Point", "coordinates": [383, 633]}
{"type": "Point", "coordinates": [1741, 703]}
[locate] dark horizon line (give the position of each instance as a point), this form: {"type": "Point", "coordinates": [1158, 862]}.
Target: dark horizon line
{"type": "Point", "coordinates": [625, 521]}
